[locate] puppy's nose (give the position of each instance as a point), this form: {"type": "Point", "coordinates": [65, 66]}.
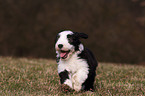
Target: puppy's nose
{"type": "Point", "coordinates": [60, 46]}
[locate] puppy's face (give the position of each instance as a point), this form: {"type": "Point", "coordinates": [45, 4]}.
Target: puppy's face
{"type": "Point", "coordinates": [67, 42]}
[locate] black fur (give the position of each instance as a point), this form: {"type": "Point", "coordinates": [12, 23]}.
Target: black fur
{"type": "Point", "coordinates": [57, 59]}
{"type": "Point", "coordinates": [81, 35]}
{"type": "Point", "coordinates": [57, 37]}
{"type": "Point", "coordinates": [74, 39]}
{"type": "Point", "coordinates": [87, 55]}
{"type": "Point", "coordinates": [63, 76]}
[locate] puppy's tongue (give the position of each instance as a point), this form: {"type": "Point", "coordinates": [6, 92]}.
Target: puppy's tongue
{"type": "Point", "coordinates": [63, 54]}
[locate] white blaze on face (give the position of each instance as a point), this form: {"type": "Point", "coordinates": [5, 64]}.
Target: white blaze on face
{"type": "Point", "coordinates": [64, 41]}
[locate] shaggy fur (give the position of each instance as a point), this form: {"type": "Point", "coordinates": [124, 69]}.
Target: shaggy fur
{"type": "Point", "coordinates": [76, 64]}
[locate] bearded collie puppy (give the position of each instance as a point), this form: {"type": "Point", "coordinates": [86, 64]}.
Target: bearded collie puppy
{"type": "Point", "coordinates": [76, 63]}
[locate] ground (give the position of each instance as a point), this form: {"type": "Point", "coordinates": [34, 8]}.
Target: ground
{"type": "Point", "coordinates": [37, 77]}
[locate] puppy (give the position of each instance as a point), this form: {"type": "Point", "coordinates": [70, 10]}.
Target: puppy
{"type": "Point", "coordinates": [76, 63]}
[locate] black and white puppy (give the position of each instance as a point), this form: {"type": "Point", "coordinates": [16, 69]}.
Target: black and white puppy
{"type": "Point", "coordinates": [76, 64]}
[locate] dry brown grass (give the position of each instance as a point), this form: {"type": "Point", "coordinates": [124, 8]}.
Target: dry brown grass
{"type": "Point", "coordinates": [37, 77]}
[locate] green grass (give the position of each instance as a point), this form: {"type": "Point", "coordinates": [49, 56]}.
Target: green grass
{"type": "Point", "coordinates": [37, 77]}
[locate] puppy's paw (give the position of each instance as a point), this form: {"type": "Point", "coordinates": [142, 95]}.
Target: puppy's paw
{"type": "Point", "coordinates": [66, 88]}
{"type": "Point", "coordinates": [77, 87]}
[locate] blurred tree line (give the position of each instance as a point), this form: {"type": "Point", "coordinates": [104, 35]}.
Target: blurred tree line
{"type": "Point", "coordinates": [116, 28]}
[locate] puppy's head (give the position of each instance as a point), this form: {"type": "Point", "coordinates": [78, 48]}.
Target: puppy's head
{"type": "Point", "coordinates": [67, 42]}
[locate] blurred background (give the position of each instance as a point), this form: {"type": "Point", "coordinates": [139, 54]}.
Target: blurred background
{"type": "Point", "coordinates": [116, 28]}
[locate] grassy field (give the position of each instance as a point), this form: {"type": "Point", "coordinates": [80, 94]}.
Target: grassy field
{"type": "Point", "coordinates": [37, 77]}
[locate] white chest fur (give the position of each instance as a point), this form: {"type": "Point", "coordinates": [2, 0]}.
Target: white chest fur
{"type": "Point", "coordinates": [73, 64]}
{"type": "Point", "coordinates": [78, 71]}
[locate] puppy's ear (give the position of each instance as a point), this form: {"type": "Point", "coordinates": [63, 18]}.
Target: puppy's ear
{"type": "Point", "coordinates": [83, 35]}
{"type": "Point", "coordinates": [80, 35]}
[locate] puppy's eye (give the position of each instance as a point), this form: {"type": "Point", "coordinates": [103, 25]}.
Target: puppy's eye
{"type": "Point", "coordinates": [57, 36]}
{"type": "Point", "coordinates": [69, 36]}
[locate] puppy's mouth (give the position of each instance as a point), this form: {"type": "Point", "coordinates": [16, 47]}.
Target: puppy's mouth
{"type": "Point", "coordinates": [64, 54]}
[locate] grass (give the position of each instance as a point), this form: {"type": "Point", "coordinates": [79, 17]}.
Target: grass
{"type": "Point", "coordinates": [37, 77]}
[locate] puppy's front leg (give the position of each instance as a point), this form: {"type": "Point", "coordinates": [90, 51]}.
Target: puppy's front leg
{"type": "Point", "coordinates": [65, 80]}
{"type": "Point", "coordinates": [79, 78]}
